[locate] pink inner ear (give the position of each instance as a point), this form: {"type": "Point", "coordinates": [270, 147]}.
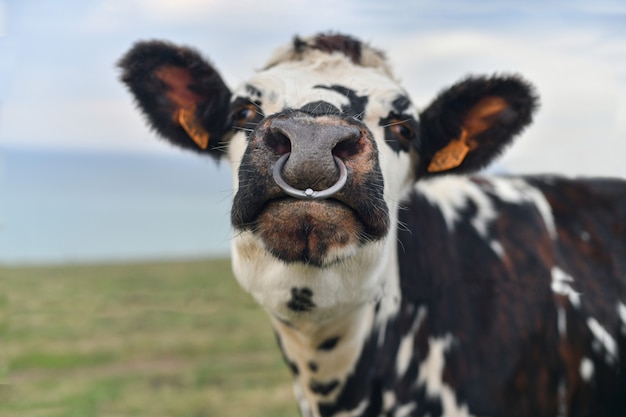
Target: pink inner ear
{"type": "Point", "coordinates": [483, 115]}
{"type": "Point", "coordinates": [178, 80]}
{"type": "Point", "coordinates": [480, 118]}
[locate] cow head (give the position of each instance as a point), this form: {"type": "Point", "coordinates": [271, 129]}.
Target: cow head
{"type": "Point", "coordinates": [323, 143]}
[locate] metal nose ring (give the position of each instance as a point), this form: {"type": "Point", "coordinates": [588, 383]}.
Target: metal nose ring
{"type": "Point", "coordinates": [309, 194]}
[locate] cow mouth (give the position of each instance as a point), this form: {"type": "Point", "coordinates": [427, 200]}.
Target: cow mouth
{"type": "Point", "coordinates": [316, 232]}
{"type": "Point", "coordinates": [301, 228]}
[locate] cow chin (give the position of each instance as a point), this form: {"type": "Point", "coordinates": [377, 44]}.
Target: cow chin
{"type": "Point", "coordinates": [318, 233]}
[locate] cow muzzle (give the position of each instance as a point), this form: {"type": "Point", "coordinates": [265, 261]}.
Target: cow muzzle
{"type": "Point", "coordinates": [309, 193]}
{"type": "Point", "coordinates": [312, 153]}
{"type": "Point", "coordinates": [310, 188]}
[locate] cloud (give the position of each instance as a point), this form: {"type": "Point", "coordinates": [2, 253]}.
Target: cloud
{"type": "Point", "coordinates": [192, 10]}
{"type": "Point", "coordinates": [96, 124]}
{"type": "Point", "coordinates": [226, 16]}
{"type": "Point", "coordinates": [582, 88]}
{"type": "Point", "coordinates": [606, 7]}
{"type": "Point", "coordinates": [2, 18]}
{"type": "Point", "coordinates": [578, 64]}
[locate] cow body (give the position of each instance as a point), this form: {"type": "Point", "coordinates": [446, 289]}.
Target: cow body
{"type": "Point", "coordinates": [520, 301]}
{"type": "Point", "coordinates": [396, 285]}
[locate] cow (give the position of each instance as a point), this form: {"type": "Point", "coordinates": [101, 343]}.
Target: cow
{"type": "Point", "coordinates": [398, 280]}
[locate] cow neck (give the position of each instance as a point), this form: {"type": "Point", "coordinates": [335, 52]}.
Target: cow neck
{"type": "Point", "coordinates": [328, 359]}
{"type": "Point", "coordinates": [323, 356]}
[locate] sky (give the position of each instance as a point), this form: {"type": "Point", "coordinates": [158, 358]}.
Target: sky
{"type": "Point", "coordinates": [59, 88]}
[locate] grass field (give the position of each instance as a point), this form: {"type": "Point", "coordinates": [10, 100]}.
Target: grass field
{"type": "Point", "coordinates": [155, 339]}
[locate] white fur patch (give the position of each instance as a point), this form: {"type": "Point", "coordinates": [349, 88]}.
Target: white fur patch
{"type": "Point", "coordinates": [561, 285]}
{"type": "Point", "coordinates": [405, 410]}
{"type": "Point", "coordinates": [517, 191]}
{"type": "Point", "coordinates": [497, 248]}
{"type": "Point", "coordinates": [431, 376]}
{"type": "Point", "coordinates": [561, 321]}
{"type": "Point", "coordinates": [452, 194]}
{"type": "Point", "coordinates": [603, 340]}
{"type": "Point", "coordinates": [585, 236]}
{"type": "Point", "coordinates": [621, 311]}
{"type": "Point", "coordinates": [405, 350]}
{"type": "Point", "coordinates": [586, 369]}
{"type": "Point", "coordinates": [389, 400]}
{"type": "Point", "coordinates": [300, 346]}
{"type": "Point", "coordinates": [305, 408]}
{"type": "Point", "coordinates": [336, 290]}
{"type": "Point", "coordinates": [237, 146]}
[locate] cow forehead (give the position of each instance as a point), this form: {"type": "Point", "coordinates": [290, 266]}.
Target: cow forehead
{"type": "Point", "coordinates": [323, 77]}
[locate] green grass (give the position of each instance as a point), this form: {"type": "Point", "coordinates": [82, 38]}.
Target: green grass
{"type": "Point", "coordinates": [153, 339]}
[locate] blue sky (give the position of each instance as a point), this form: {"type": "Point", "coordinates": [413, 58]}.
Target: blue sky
{"type": "Point", "coordinates": [59, 88]}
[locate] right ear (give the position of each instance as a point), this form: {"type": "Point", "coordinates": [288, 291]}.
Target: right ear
{"type": "Point", "coordinates": [183, 97]}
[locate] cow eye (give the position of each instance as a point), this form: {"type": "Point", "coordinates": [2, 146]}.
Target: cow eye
{"type": "Point", "coordinates": [402, 130]}
{"type": "Point", "coordinates": [243, 115]}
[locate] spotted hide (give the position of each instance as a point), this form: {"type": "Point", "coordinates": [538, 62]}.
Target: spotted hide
{"type": "Point", "coordinates": [398, 282]}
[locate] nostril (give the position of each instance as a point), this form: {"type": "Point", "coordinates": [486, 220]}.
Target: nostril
{"type": "Point", "coordinates": [347, 148]}
{"type": "Point", "coordinates": [278, 142]}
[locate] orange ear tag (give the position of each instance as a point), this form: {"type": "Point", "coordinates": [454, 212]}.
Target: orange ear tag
{"type": "Point", "coordinates": [189, 122]}
{"type": "Point", "coordinates": [451, 156]}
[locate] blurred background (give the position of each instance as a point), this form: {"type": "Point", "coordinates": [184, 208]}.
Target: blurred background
{"type": "Point", "coordinates": [82, 179]}
{"type": "Point", "coordinates": [86, 190]}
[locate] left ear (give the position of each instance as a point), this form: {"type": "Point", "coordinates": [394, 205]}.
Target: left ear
{"type": "Point", "coordinates": [470, 123]}
{"type": "Point", "coordinates": [181, 94]}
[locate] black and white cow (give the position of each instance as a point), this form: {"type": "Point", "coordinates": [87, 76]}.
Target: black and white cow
{"type": "Point", "coordinates": [397, 284]}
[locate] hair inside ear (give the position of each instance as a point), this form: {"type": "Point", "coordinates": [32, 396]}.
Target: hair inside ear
{"type": "Point", "coordinates": [179, 91]}
{"type": "Point", "coordinates": [190, 123]}
{"type": "Point", "coordinates": [452, 155]}
{"type": "Point", "coordinates": [483, 115]}
{"type": "Point", "coordinates": [181, 94]}
{"type": "Point", "coordinates": [479, 118]}
{"type": "Point", "coordinates": [178, 81]}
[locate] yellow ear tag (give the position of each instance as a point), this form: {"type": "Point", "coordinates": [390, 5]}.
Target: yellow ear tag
{"type": "Point", "coordinates": [189, 122]}
{"type": "Point", "coordinates": [451, 156]}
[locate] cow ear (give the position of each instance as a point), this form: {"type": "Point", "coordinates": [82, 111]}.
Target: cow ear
{"type": "Point", "coordinates": [470, 123]}
{"type": "Point", "coordinates": [182, 96]}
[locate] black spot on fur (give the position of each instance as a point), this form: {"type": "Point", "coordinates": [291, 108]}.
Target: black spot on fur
{"type": "Point", "coordinates": [313, 366]}
{"type": "Point", "coordinates": [293, 367]}
{"type": "Point", "coordinates": [357, 105]}
{"type": "Point", "coordinates": [320, 108]}
{"type": "Point", "coordinates": [330, 43]}
{"type": "Point", "coordinates": [401, 104]}
{"type": "Point", "coordinates": [301, 299]}
{"type": "Point", "coordinates": [362, 383]}
{"type": "Point", "coordinates": [253, 91]}
{"type": "Point", "coordinates": [329, 344]}
{"type": "Point", "coordinates": [322, 388]}
{"type": "Point", "coordinates": [299, 45]}
{"type": "Point", "coordinates": [335, 42]}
